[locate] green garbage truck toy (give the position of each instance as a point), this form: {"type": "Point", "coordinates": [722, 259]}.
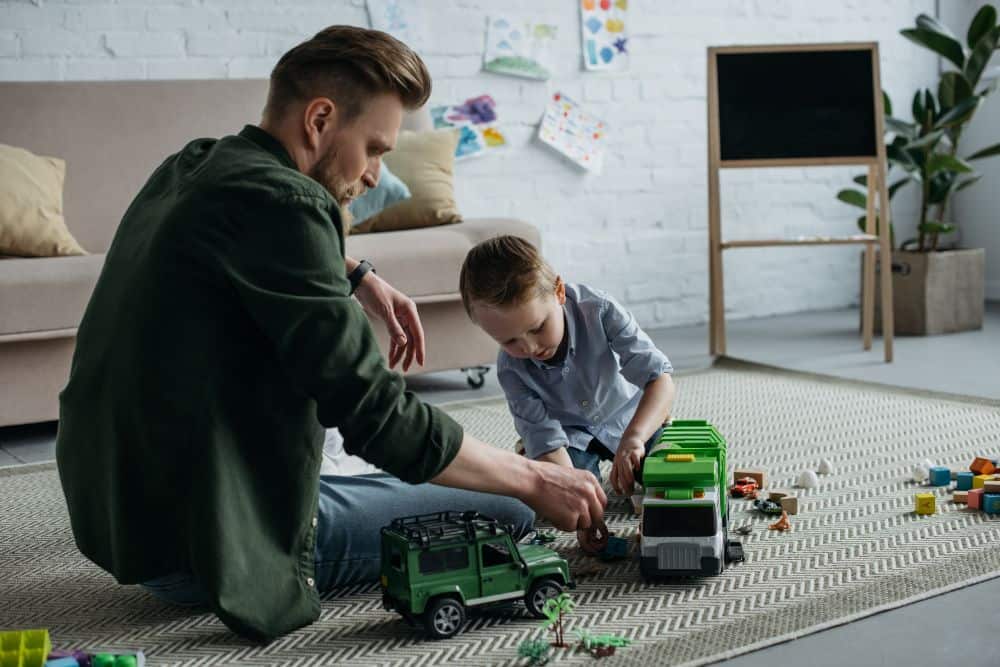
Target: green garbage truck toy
{"type": "Point", "coordinates": [684, 529]}
{"type": "Point", "coordinates": [436, 566]}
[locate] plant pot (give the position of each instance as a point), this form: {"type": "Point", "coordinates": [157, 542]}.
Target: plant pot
{"type": "Point", "coordinates": [934, 292]}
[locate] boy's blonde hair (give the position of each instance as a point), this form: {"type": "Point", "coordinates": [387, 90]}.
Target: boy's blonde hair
{"type": "Point", "coordinates": [504, 271]}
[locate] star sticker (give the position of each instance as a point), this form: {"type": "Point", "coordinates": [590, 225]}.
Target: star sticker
{"type": "Point", "coordinates": [620, 44]}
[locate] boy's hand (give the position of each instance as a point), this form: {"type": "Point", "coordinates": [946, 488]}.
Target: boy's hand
{"type": "Point", "coordinates": [628, 458]}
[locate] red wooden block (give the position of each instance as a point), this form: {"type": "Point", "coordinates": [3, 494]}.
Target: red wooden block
{"type": "Point", "coordinates": [975, 499]}
{"type": "Point", "coordinates": [982, 466]}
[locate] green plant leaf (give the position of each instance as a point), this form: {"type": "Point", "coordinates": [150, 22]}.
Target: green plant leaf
{"type": "Point", "coordinates": [981, 55]}
{"type": "Point", "coordinates": [942, 161]}
{"type": "Point", "coordinates": [960, 113]}
{"type": "Point", "coordinates": [901, 127]}
{"type": "Point", "coordinates": [930, 107]}
{"type": "Point", "coordinates": [942, 44]}
{"type": "Point", "coordinates": [952, 89]}
{"type": "Point", "coordinates": [861, 179]}
{"type": "Point", "coordinates": [967, 181]}
{"type": "Point", "coordinates": [940, 186]}
{"type": "Point", "coordinates": [853, 197]}
{"type": "Point", "coordinates": [892, 231]}
{"type": "Point", "coordinates": [886, 104]}
{"type": "Point", "coordinates": [928, 22]}
{"type": "Point", "coordinates": [918, 108]}
{"type": "Point", "coordinates": [989, 151]}
{"type": "Point", "coordinates": [894, 188]}
{"type": "Point", "coordinates": [927, 141]}
{"type": "Point", "coordinates": [985, 20]}
{"type": "Point", "coordinates": [936, 227]}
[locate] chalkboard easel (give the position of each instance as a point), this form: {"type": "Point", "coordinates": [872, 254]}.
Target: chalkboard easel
{"type": "Point", "coordinates": [798, 105]}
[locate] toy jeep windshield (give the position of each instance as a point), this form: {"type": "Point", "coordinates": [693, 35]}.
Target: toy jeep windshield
{"type": "Point", "coordinates": [436, 566]}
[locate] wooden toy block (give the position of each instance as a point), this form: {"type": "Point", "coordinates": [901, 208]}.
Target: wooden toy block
{"type": "Point", "coordinates": [758, 474]}
{"type": "Point", "coordinates": [940, 476]}
{"type": "Point", "coordinates": [979, 481]}
{"type": "Point", "coordinates": [991, 503]}
{"type": "Point", "coordinates": [637, 503]}
{"type": "Point", "coordinates": [975, 498]}
{"type": "Point", "coordinates": [925, 503]}
{"type": "Point", "coordinates": [778, 494]}
{"type": "Point", "coordinates": [960, 497]}
{"type": "Point", "coordinates": [991, 486]}
{"type": "Point", "coordinates": [982, 466]}
{"type": "Point", "coordinates": [790, 504]}
{"type": "Point", "coordinates": [963, 481]}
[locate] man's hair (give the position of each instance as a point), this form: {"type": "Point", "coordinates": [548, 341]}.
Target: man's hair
{"type": "Point", "coordinates": [504, 271]}
{"type": "Point", "coordinates": [349, 65]}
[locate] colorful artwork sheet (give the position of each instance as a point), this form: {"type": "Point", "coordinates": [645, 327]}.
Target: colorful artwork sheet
{"type": "Point", "coordinates": [403, 19]}
{"type": "Point", "coordinates": [605, 39]}
{"type": "Point", "coordinates": [476, 118]}
{"type": "Point", "coordinates": [518, 48]}
{"type": "Point", "coordinates": [574, 132]}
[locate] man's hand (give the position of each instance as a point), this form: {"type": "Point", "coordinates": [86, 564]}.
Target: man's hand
{"type": "Point", "coordinates": [628, 458]}
{"type": "Point", "coordinates": [406, 334]}
{"type": "Point", "coordinates": [570, 499]}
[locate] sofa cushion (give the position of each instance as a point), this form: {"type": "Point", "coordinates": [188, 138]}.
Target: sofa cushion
{"type": "Point", "coordinates": [425, 162]}
{"type": "Point", "coordinates": [31, 205]}
{"type": "Point", "coordinates": [426, 262]}
{"type": "Point", "coordinates": [39, 294]}
{"type": "Point", "coordinates": [390, 190]}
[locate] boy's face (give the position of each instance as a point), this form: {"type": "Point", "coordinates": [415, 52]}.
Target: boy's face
{"type": "Point", "coordinates": [533, 329]}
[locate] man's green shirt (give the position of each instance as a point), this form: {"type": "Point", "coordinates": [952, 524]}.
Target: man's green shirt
{"type": "Point", "coordinates": [219, 341]}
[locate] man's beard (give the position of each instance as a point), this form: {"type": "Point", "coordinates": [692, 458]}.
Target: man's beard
{"type": "Point", "coordinates": [343, 192]}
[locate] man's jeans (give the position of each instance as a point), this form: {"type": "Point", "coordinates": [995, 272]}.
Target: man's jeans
{"type": "Point", "coordinates": [352, 510]}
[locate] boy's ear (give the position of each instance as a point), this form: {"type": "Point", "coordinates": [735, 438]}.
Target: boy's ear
{"type": "Point", "coordinates": [560, 290]}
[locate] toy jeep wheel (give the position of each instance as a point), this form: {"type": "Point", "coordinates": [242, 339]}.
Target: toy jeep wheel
{"type": "Point", "coordinates": [541, 590]}
{"type": "Point", "coordinates": [444, 618]}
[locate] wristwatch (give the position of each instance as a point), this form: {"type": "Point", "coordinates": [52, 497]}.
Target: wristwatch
{"type": "Point", "coordinates": [359, 272]}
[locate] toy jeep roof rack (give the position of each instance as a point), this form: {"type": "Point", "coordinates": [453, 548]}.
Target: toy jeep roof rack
{"type": "Point", "coordinates": [438, 527]}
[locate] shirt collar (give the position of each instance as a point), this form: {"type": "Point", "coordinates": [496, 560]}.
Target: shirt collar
{"type": "Point", "coordinates": [269, 143]}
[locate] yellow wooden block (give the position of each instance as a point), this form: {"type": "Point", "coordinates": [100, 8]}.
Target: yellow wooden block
{"type": "Point", "coordinates": [979, 481]}
{"type": "Point", "coordinates": [925, 503]}
{"type": "Point", "coordinates": [680, 458]}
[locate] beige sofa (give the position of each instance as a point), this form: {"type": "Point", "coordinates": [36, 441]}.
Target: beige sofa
{"type": "Point", "coordinates": [112, 135]}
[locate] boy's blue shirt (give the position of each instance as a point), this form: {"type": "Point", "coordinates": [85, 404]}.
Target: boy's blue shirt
{"type": "Point", "coordinates": [594, 391]}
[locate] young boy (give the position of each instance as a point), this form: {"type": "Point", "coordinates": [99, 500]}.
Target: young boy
{"type": "Point", "coordinates": [582, 380]}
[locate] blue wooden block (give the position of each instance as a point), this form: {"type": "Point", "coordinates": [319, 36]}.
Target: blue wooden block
{"type": "Point", "coordinates": [964, 481]}
{"type": "Point", "coordinates": [991, 503]}
{"type": "Point", "coordinates": [940, 476]}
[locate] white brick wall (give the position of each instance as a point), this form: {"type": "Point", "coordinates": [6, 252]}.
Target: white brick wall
{"type": "Point", "coordinates": [639, 230]}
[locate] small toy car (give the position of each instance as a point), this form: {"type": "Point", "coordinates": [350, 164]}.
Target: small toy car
{"type": "Point", "coordinates": [744, 487]}
{"type": "Point", "coordinates": [436, 566]}
{"type": "Point", "coordinates": [767, 506]}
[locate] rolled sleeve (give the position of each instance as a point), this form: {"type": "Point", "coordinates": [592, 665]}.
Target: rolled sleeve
{"type": "Point", "coordinates": [640, 360]}
{"type": "Point", "coordinates": [538, 430]}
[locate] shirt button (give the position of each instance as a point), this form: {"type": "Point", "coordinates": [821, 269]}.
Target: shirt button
{"type": "Point", "coordinates": [584, 403]}
{"type": "Point", "coordinates": [310, 582]}
{"type": "Point", "coordinates": [315, 521]}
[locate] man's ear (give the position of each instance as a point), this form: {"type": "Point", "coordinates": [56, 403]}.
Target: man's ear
{"type": "Point", "coordinates": [560, 290]}
{"type": "Point", "coordinates": [320, 117]}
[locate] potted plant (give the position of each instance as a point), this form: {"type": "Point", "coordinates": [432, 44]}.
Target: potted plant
{"type": "Point", "coordinates": [938, 287]}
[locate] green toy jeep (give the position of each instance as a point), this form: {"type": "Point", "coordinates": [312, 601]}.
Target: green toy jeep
{"type": "Point", "coordinates": [434, 566]}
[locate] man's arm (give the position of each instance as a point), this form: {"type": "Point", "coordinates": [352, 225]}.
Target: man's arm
{"type": "Point", "coordinates": [571, 499]}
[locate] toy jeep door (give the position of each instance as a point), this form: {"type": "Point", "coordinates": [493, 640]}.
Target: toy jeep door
{"type": "Point", "coordinates": [499, 571]}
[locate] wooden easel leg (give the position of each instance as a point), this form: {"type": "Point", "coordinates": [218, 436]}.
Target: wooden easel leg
{"type": "Point", "coordinates": [868, 270]}
{"type": "Point", "coordinates": [885, 258]}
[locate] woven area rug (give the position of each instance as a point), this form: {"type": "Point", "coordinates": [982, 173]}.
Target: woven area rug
{"type": "Point", "coordinates": [855, 548]}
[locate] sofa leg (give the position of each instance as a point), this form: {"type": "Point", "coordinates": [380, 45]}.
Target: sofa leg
{"type": "Point", "coordinates": [476, 375]}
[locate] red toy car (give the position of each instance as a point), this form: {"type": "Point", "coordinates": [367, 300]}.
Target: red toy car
{"type": "Point", "coordinates": [744, 487]}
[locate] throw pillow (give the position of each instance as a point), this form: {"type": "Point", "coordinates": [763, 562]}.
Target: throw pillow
{"type": "Point", "coordinates": [390, 189]}
{"type": "Point", "coordinates": [425, 162]}
{"type": "Point", "coordinates": [31, 206]}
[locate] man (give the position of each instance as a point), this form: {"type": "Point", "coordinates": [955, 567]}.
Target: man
{"type": "Point", "coordinates": [222, 337]}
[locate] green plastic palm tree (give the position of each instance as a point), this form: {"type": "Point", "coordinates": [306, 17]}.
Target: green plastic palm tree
{"type": "Point", "coordinates": [554, 610]}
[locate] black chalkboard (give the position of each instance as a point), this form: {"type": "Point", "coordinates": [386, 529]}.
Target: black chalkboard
{"type": "Point", "coordinates": [796, 104]}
